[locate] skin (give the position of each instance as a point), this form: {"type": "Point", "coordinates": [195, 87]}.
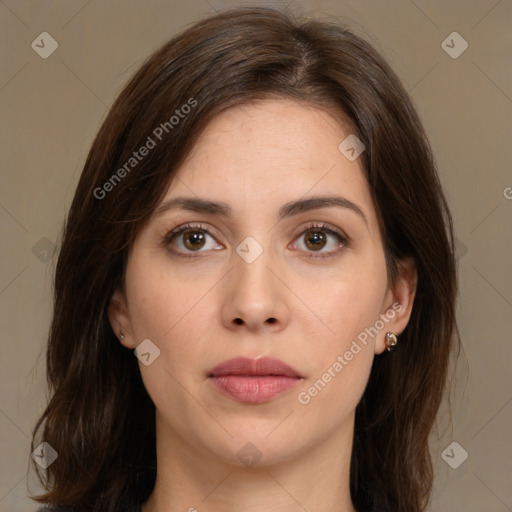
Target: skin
{"type": "Point", "coordinates": [256, 158]}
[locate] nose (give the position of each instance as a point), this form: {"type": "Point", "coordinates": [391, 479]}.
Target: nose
{"type": "Point", "coordinates": [255, 298]}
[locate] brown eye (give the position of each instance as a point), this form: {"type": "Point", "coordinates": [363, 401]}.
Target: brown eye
{"type": "Point", "coordinates": [321, 241]}
{"type": "Point", "coordinates": [315, 239]}
{"type": "Point", "coordinates": [188, 239]}
{"type": "Point", "coordinates": [194, 240]}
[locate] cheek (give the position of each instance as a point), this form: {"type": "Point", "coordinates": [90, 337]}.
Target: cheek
{"type": "Point", "coordinates": [159, 300]}
{"type": "Point", "coordinates": [173, 312]}
{"type": "Point", "coordinates": [348, 305]}
{"type": "Point", "coordinates": [334, 395]}
{"type": "Point", "coordinates": [342, 359]}
{"type": "Point", "coordinates": [348, 301]}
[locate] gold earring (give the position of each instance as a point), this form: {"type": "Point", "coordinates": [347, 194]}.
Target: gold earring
{"type": "Point", "coordinates": [391, 341]}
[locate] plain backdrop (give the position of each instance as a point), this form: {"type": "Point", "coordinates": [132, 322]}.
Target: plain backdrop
{"type": "Point", "coordinates": [52, 107]}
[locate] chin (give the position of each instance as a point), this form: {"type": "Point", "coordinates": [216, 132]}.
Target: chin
{"type": "Point", "coordinates": [253, 447]}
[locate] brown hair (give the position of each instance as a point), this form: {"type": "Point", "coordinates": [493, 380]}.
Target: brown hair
{"type": "Point", "coordinates": [100, 418]}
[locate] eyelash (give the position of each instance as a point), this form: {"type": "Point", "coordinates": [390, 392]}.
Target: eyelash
{"type": "Point", "coordinates": [173, 234]}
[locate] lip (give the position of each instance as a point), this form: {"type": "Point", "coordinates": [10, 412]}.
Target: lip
{"type": "Point", "coordinates": [253, 380]}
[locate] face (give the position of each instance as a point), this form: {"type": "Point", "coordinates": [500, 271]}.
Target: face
{"type": "Point", "coordinates": [265, 272]}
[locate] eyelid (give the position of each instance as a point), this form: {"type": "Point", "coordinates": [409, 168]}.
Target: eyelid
{"type": "Point", "coordinates": [344, 239]}
{"type": "Point", "coordinates": [182, 228]}
{"type": "Point", "coordinates": [325, 226]}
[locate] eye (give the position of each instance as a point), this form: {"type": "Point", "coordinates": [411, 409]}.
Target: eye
{"type": "Point", "coordinates": [317, 237]}
{"type": "Point", "coordinates": [189, 239]}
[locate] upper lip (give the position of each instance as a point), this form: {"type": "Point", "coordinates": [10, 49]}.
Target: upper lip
{"type": "Point", "coordinates": [261, 366]}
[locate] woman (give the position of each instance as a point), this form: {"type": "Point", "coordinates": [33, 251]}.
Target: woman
{"type": "Point", "coordinates": [260, 222]}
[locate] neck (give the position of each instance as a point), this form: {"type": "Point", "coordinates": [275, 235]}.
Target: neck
{"type": "Point", "coordinates": [189, 479]}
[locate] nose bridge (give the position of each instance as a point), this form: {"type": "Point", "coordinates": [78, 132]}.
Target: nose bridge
{"type": "Point", "coordinates": [254, 296]}
{"type": "Point", "coordinates": [251, 261]}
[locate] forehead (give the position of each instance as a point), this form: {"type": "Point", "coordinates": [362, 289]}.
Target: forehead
{"type": "Point", "coordinates": [268, 153]}
{"type": "Point", "coordinates": [283, 133]}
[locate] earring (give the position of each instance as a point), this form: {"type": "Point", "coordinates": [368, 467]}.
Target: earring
{"type": "Point", "coordinates": [121, 335]}
{"type": "Point", "coordinates": [391, 341]}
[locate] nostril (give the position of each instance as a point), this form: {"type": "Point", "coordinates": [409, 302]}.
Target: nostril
{"type": "Point", "coordinates": [271, 320]}
{"type": "Point", "coordinates": [238, 321]}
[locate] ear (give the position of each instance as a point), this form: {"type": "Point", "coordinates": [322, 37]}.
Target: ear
{"type": "Point", "coordinates": [119, 318]}
{"type": "Point", "coordinates": [398, 302]}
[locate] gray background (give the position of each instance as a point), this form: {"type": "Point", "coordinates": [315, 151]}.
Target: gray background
{"type": "Point", "coordinates": [51, 109]}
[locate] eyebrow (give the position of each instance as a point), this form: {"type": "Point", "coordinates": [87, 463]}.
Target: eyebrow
{"type": "Point", "coordinates": [199, 205]}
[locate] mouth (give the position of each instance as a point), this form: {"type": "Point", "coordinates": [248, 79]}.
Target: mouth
{"type": "Point", "coordinates": [253, 380]}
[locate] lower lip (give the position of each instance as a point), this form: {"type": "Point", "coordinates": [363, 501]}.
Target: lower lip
{"type": "Point", "coordinates": [254, 390]}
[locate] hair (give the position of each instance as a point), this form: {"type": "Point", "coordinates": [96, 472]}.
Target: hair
{"type": "Point", "coordinates": [100, 418]}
